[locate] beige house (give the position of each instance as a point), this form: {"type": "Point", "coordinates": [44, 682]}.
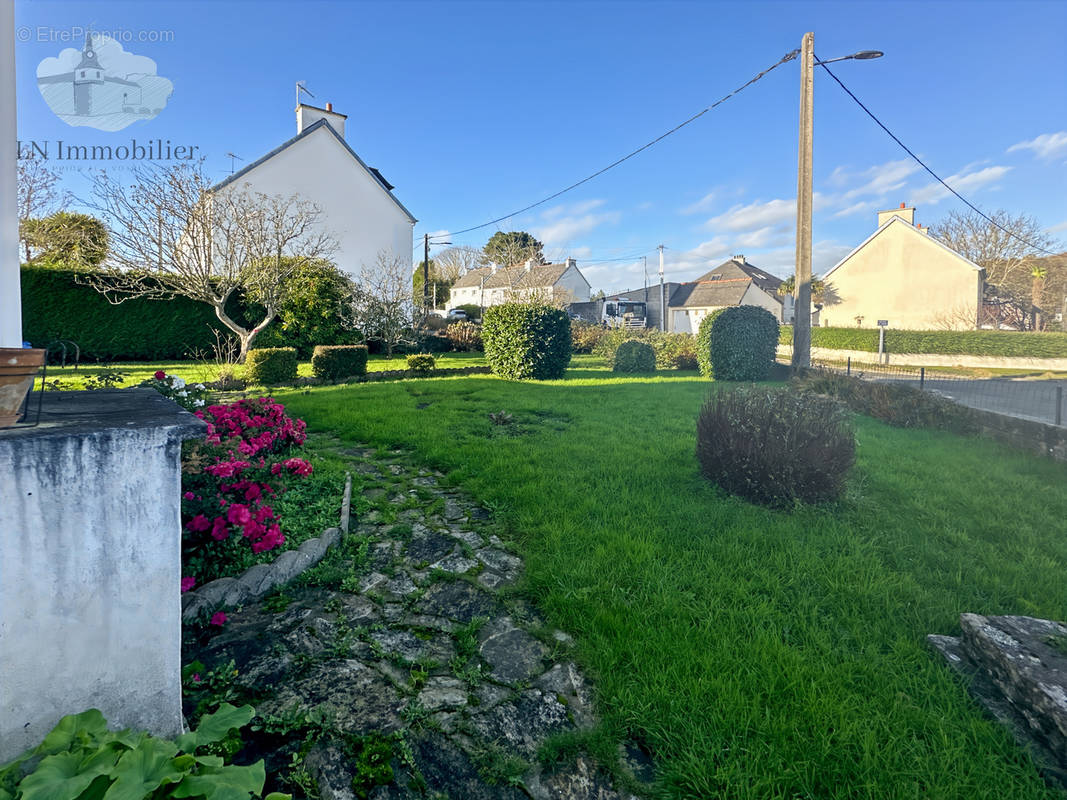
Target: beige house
{"type": "Point", "coordinates": [734, 283]}
{"type": "Point", "coordinates": [557, 284]}
{"type": "Point", "coordinates": [903, 275]}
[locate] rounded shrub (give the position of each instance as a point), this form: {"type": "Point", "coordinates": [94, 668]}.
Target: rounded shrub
{"type": "Point", "coordinates": [634, 356]}
{"type": "Point", "coordinates": [334, 362]}
{"type": "Point", "coordinates": [737, 343]}
{"type": "Point", "coordinates": [271, 365]}
{"type": "Point", "coordinates": [775, 446]}
{"type": "Point", "coordinates": [527, 340]}
{"type": "Point", "coordinates": [421, 363]}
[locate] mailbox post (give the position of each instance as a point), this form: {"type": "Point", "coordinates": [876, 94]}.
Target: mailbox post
{"type": "Point", "coordinates": [883, 356]}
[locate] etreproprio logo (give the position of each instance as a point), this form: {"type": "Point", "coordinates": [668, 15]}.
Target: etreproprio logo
{"type": "Point", "coordinates": [102, 86]}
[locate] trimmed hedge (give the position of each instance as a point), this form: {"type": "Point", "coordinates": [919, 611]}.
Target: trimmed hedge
{"type": "Point", "coordinates": [334, 362]}
{"type": "Point", "coordinates": [634, 356]}
{"type": "Point", "coordinates": [55, 307]}
{"type": "Point", "coordinates": [1008, 344]}
{"type": "Point", "coordinates": [673, 350]}
{"type": "Point", "coordinates": [421, 363]}
{"type": "Point", "coordinates": [738, 343]}
{"type": "Point", "coordinates": [527, 341]}
{"type": "Point", "coordinates": [271, 365]}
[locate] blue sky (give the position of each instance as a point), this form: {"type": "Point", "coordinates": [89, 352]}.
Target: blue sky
{"type": "Point", "coordinates": [474, 110]}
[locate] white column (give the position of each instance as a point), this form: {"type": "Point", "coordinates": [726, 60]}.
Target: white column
{"type": "Point", "coordinates": [10, 297]}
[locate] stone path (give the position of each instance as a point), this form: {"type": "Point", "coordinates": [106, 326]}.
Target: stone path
{"type": "Point", "coordinates": [414, 673]}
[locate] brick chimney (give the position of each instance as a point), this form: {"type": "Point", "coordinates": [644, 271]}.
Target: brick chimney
{"type": "Point", "coordinates": [308, 115]}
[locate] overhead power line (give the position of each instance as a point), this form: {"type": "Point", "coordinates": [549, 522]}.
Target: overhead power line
{"type": "Point", "coordinates": [787, 57]}
{"type": "Point", "coordinates": [922, 164]}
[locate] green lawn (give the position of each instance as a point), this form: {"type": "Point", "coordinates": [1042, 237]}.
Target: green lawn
{"type": "Point", "coordinates": [133, 372]}
{"type": "Point", "coordinates": [757, 653]}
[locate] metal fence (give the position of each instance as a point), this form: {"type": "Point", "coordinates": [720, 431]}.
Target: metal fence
{"type": "Point", "coordinates": [1038, 400]}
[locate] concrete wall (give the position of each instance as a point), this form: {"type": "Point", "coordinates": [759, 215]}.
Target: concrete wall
{"type": "Point", "coordinates": [933, 360]}
{"type": "Point", "coordinates": [571, 287]}
{"type": "Point", "coordinates": [357, 211]}
{"type": "Point", "coordinates": [904, 276]}
{"type": "Point", "coordinates": [90, 565]}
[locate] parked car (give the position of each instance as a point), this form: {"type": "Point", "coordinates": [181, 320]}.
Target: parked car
{"type": "Point", "coordinates": [456, 315]}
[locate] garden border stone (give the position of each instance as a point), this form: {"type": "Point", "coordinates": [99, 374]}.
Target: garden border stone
{"type": "Point", "coordinates": [259, 579]}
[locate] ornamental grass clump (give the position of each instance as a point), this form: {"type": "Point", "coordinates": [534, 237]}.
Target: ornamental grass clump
{"type": "Point", "coordinates": [230, 482]}
{"type": "Point", "coordinates": [634, 356]}
{"type": "Point", "coordinates": [775, 446]}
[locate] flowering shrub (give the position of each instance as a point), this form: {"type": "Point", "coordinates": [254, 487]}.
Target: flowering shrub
{"type": "Point", "coordinates": [252, 426]}
{"type": "Point", "coordinates": [230, 482]}
{"type": "Point", "coordinates": [188, 396]}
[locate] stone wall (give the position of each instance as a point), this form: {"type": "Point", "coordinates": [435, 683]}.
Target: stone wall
{"type": "Point", "coordinates": [1037, 437]}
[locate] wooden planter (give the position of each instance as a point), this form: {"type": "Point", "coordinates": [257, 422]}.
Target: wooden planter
{"type": "Point", "coordinates": [18, 366]}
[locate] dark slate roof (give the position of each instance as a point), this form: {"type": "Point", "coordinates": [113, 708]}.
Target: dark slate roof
{"type": "Point", "coordinates": [513, 277]}
{"type": "Point", "coordinates": [724, 286]}
{"type": "Point", "coordinates": [386, 186]}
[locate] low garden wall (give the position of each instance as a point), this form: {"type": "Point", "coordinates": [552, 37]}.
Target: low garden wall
{"type": "Point", "coordinates": [932, 359]}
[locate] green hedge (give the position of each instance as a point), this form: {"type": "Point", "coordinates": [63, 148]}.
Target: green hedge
{"type": "Point", "coordinates": [271, 365]}
{"type": "Point", "coordinates": [334, 362]}
{"type": "Point", "coordinates": [421, 363]}
{"type": "Point", "coordinates": [1023, 344]}
{"type": "Point", "coordinates": [634, 356]}
{"type": "Point", "coordinates": [527, 341]}
{"type": "Point", "coordinates": [738, 343]}
{"type": "Point", "coordinates": [55, 307]}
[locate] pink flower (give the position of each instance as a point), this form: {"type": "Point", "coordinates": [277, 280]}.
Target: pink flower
{"type": "Point", "coordinates": [187, 584]}
{"type": "Point", "coordinates": [196, 677]}
{"type": "Point", "coordinates": [160, 375]}
{"type": "Point", "coordinates": [219, 530]}
{"type": "Point", "coordinates": [238, 514]}
{"type": "Point", "coordinates": [198, 523]}
{"type": "Point", "coordinates": [188, 496]}
{"type": "Point", "coordinates": [218, 618]}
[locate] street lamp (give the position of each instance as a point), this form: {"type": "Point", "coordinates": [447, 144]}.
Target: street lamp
{"type": "Point", "coordinates": [802, 287]}
{"type": "Point", "coordinates": [426, 271]}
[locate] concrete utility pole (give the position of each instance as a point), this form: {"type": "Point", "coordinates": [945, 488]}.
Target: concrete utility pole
{"type": "Point", "coordinates": [10, 292]}
{"type": "Point", "coordinates": [426, 274]}
{"type": "Point", "coordinates": [662, 299]}
{"type": "Point", "coordinates": [802, 282]}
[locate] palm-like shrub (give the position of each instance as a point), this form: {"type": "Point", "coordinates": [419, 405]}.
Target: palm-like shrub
{"type": "Point", "coordinates": [775, 446]}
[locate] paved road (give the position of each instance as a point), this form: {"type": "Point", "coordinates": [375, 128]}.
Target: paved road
{"type": "Point", "coordinates": [1034, 400]}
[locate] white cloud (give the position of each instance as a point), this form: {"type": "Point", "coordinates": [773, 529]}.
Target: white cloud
{"type": "Point", "coordinates": [769, 236]}
{"type": "Point", "coordinates": [1045, 146]}
{"type": "Point", "coordinates": [1057, 228]}
{"type": "Point", "coordinates": [704, 204]}
{"type": "Point", "coordinates": [574, 209]}
{"type": "Point", "coordinates": [565, 229]}
{"type": "Point", "coordinates": [754, 215]}
{"type": "Point", "coordinates": [883, 178]}
{"type": "Point", "coordinates": [934, 192]}
{"type": "Point", "coordinates": [857, 208]}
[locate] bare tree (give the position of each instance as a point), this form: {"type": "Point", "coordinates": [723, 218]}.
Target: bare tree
{"type": "Point", "coordinates": [172, 236]}
{"type": "Point", "coordinates": [1003, 249]}
{"type": "Point", "coordinates": [383, 304]}
{"type": "Point", "coordinates": [37, 196]}
{"type": "Point", "coordinates": [452, 262]}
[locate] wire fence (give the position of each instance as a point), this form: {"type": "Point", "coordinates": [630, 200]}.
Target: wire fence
{"type": "Point", "coordinates": [1037, 400]}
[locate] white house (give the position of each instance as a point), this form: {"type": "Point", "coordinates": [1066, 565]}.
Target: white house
{"type": "Point", "coordinates": [552, 283]}
{"type": "Point", "coordinates": [733, 283]}
{"type": "Point", "coordinates": [358, 206]}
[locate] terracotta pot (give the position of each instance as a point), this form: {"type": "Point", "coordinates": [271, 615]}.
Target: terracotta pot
{"type": "Point", "coordinates": [18, 366]}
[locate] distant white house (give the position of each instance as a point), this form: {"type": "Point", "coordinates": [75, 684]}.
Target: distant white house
{"type": "Point", "coordinates": [490, 286]}
{"type": "Point", "coordinates": [733, 283]}
{"type": "Point", "coordinates": [358, 206]}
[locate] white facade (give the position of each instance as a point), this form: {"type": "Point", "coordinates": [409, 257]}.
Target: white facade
{"type": "Point", "coordinates": [358, 210]}
{"type": "Point", "coordinates": [484, 287]}
{"type": "Point", "coordinates": [687, 320]}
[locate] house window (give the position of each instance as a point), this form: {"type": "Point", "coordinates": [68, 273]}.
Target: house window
{"type": "Point", "coordinates": [83, 73]}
